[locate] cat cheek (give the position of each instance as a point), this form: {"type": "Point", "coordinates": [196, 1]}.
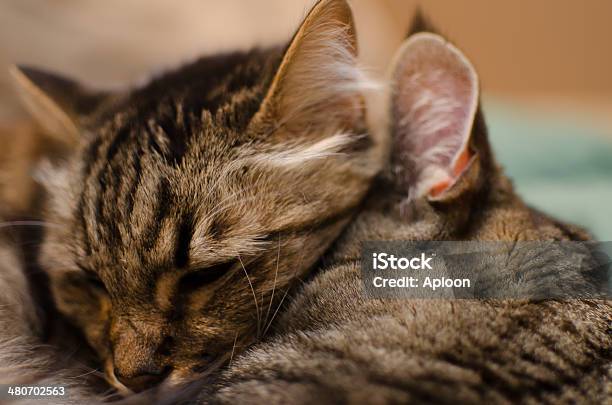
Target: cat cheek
{"type": "Point", "coordinates": [97, 330]}
{"type": "Point", "coordinates": [85, 307]}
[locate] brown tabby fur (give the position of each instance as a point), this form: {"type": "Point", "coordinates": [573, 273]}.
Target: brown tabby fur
{"type": "Point", "coordinates": [335, 346]}
{"type": "Point", "coordinates": [331, 345]}
{"type": "Point", "coordinates": [192, 204]}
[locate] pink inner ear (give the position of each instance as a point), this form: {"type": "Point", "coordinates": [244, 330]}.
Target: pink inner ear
{"type": "Point", "coordinates": [435, 103]}
{"type": "Point", "coordinates": [460, 165]}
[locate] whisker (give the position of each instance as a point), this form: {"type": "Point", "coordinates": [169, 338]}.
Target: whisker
{"type": "Point", "coordinates": [29, 223]}
{"type": "Point", "coordinates": [280, 304]}
{"type": "Point", "coordinates": [254, 296]}
{"type": "Point", "coordinates": [233, 349]}
{"type": "Point", "coordinates": [92, 371]}
{"type": "Point", "coordinates": [275, 280]}
{"type": "Point", "coordinates": [293, 276]}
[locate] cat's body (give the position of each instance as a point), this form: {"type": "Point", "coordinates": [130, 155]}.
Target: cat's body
{"type": "Point", "coordinates": [334, 345]}
{"type": "Point", "coordinates": [26, 357]}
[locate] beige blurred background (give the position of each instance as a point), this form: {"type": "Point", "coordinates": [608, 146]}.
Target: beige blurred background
{"type": "Point", "coordinates": [545, 54]}
{"type": "Point", "coordinates": [545, 67]}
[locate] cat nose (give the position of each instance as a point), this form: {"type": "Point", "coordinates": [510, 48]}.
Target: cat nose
{"type": "Point", "coordinates": [144, 379]}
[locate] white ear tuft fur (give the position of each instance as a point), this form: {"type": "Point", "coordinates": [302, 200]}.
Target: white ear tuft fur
{"type": "Point", "coordinates": [56, 180]}
{"type": "Point", "coordinates": [289, 155]}
{"type": "Point", "coordinates": [434, 102]}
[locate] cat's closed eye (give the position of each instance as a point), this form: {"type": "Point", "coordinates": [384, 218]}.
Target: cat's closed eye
{"type": "Point", "coordinates": [93, 280]}
{"type": "Point", "coordinates": [202, 277]}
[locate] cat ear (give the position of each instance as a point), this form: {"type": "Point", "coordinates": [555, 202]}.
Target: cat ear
{"type": "Point", "coordinates": [318, 82]}
{"type": "Point", "coordinates": [57, 103]}
{"type": "Point", "coordinates": [420, 23]}
{"type": "Point", "coordinates": [434, 110]}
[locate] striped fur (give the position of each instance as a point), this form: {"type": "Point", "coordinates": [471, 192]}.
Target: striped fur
{"type": "Point", "coordinates": [190, 205]}
{"type": "Point", "coordinates": [332, 345]}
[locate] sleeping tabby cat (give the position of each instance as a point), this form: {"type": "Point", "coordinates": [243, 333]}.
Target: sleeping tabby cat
{"type": "Point", "coordinates": [333, 345]}
{"type": "Point", "coordinates": [189, 206]}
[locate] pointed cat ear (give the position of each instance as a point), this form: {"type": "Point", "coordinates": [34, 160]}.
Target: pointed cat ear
{"type": "Point", "coordinates": [57, 103]}
{"type": "Point", "coordinates": [318, 82]}
{"type": "Point", "coordinates": [434, 109]}
{"type": "Point", "coordinates": [420, 23]}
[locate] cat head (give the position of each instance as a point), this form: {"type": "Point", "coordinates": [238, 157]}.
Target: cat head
{"type": "Point", "coordinates": [443, 182]}
{"type": "Point", "coordinates": [192, 204]}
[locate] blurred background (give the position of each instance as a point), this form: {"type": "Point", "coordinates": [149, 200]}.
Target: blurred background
{"type": "Point", "coordinates": [545, 68]}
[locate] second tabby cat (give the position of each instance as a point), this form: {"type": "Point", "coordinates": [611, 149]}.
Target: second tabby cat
{"type": "Point", "coordinates": [334, 345]}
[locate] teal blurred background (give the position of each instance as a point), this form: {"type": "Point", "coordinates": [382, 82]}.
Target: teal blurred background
{"type": "Point", "coordinates": [559, 164]}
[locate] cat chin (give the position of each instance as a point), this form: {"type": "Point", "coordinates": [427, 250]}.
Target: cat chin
{"type": "Point", "coordinates": [175, 381]}
{"type": "Point", "coordinates": [113, 381]}
{"type": "Point", "coordinates": [179, 378]}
